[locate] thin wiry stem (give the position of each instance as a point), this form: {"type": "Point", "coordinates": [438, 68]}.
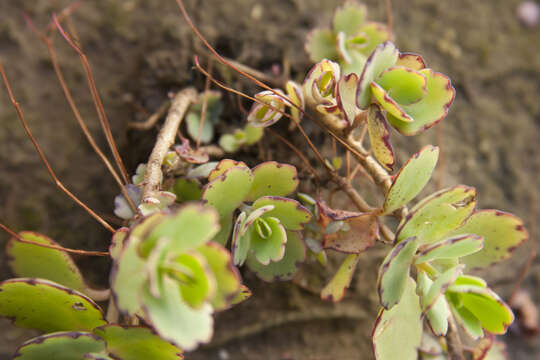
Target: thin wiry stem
{"type": "Point", "coordinates": [44, 159]}
{"type": "Point", "coordinates": [297, 152]}
{"type": "Point", "coordinates": [77, 114]}
{"type": "Point", "coordinates": [97, 102]}
{"type": "Point", "coordinates": [51, 246]}
{"type": "Point", "coordinates": [204, 104]}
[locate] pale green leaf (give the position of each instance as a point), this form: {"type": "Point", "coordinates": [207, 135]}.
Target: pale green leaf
{"type": "Point", "coordinates": [174, 320]}
{"type": "Point", "coordinates": [438, 214]}
{"type": "Point", "coordinates": [272, 246]}
{"type": "Point", "coordinates": [346, 97]}
{"type": "Point", "coordinates": [411, 179]}
{"type": "Point", "coordinates": [502, 233]}
{"type": "Point", "coordinates": [398, 332]}
{"type": "Point", "coordinates": [393, 273]}
{"type": "Point", "coordinates": [228, 190]}
{"type": "Point", "coordinates": [451, 248]}
{"type": "Point", "coordinates": [290, 213]}
{"type": "Point", "coordinates": [349, 17]}
{"type": "Point", "coordinates": [439, 287]}
{"type": "Point", "coordinates": [321, 44]}
{"type": "Point", "coordinates": [273, 179]}
{"type": "Point", "coordinates": [295, 254]}
{"type": "Point", "coordinates": [431, 109]}
{"type": "Point", "coordinates": [227, 277]}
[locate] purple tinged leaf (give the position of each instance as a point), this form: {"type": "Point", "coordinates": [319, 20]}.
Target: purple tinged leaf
{"type": "Point", "coordinates": [383, 57]}
{"type": "Point", "coordinates": [411, 178]}
{"type": "Point", "coordinates": [411, 61]}
{"type": "Point", "coordinates": [393, 273]}
{"type": "Point", "coordinates": [379, 136]}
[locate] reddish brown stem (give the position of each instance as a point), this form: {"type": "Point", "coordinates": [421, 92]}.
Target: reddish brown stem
{"type": "Point", "coordinates": [97, 102]}
{"type": "Point", "coordinates": [44, 159]}
{"type": "Point", "coordinates": [51, 246]}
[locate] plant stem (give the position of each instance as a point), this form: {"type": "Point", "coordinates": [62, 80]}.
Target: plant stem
{"type": "Point", "coordinates": [455, 347]}
{"type": "Point", "coordinates": [165, 139]}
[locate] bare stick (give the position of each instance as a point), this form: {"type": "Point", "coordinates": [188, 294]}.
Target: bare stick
{"type": "Point", "coordinates": [97, 101]}
{"type": "Point", "coordinates": [75, 110]}
{"type": "Point", "coordinates": [44, 159]}
{"type": "Point", "coordinates": [455, 347]}
{"type": "Point", "coordinates": [51, 246]}
{"type": "Point", "coordinates": [166, 136]}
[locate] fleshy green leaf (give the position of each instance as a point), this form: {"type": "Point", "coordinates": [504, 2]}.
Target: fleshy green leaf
{"type": "Point", "coordinates": [174, 320]}
{"type": "Point", "coordinates": [379, 137]}
{"type": "Point", "coordinates": [191, 226]}
{"type": "Point", "coordinates": [229, 190]}
{"type": "Point", "coordinates": [128, 272]}
{"type": "Point", "coordinates": [201, 284]}
{"type": "Point", "coordinates": [136, 343]}
{"type": "Point", "coordinates": [502, 233]}
{"type": "Point", "coordinates": [295, 253]}
{"type": "Point", "coordinates": [326, 69]}
{"type": "Point", "coordinates": [404, 85]}
{"type": "Point", "coordinates": [60, 346]}
{"type": "Point", "coordinates": [253, 134]}
{"type": "Point", "coordinates": [362, 232]}
{"type": "Point", "coordinates": [451, 248]}
{"type": "Point", "coordinates": [383, 57]}
{"type": "Point", "coordinates": [193, 122]}
{"type": "Point", "coordinates": [431, 109]}
{"type": "Point", "coordinates": [346, 96]}
{"type": "Point", "coordinates": [268, 110]}
{"type": "Point", "coordinates": [46, 306]}
{"type": "Point", "coordinates": [398, 332]}
{"type": "Point", "coordinates": [335, 289]}
{"type": "Point", "coordinates": [27, 260]}
{"type": "Point", "coordinates": [439, 312]}
{"type": "Point", "coordinates": [470, 280]}
{"type": "Point", "coordinates": [411, 179]}
{"type": "Point", "coordinates": [388, 104]}
{"type": "Point", "coordinates": [494, 315]}
{"type": "Point", "coordinates": [349, 17]}
{"type": "Point", "coordinates": [272, 246]}
{"type": "Point", "coordinates": [394, 272]}
{"type": "Point", "coordinates": [226, 193]}
{"type": "Point", "coordinates": [223, 166]}
{"type": "Point", "coordinates": [187, 189]}
{"type": "Point", "coordinates": [227, 277]}
{"type": "Point", "coordinates": [229, 143]}
{"type": "Point", "coordinates": [290, 213]}
{"type": "Point", "coordinates": [439, 286]}
{"type": "Point", "coordinates": [465, 318]}
{"type": "Point", "coordinates": [321, 44]}
{"type": "Point", "coordinates": [438, 214]}
{"type": "Point", "coordinates": [273, 179]}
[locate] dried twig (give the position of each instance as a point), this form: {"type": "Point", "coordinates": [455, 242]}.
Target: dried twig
{"type": "Point", "coordinates": [165, 139]}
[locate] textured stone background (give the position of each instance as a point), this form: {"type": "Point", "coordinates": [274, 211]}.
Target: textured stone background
{"type": "Point", "coordinates": [140, 50]}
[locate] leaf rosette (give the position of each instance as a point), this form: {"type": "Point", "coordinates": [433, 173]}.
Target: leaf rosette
{"type": "Point", "coordinates": [169, 273]}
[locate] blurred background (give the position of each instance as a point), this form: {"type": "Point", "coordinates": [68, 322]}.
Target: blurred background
{"type": "Point", "coordinates": [140, 50]}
